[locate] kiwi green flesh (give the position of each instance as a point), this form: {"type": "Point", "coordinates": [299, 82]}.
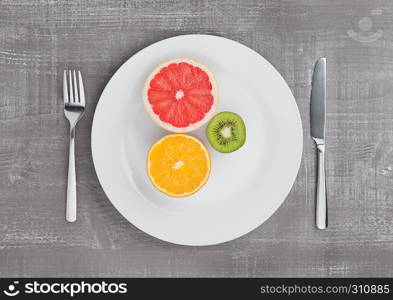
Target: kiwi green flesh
{"type": "Point", "coordinates": [226, 132]}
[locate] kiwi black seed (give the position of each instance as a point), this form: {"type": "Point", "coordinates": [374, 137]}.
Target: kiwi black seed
{"type": "Point", "coordinates": [226, 132]}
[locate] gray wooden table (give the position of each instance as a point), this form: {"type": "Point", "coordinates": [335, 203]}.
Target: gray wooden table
{"type": "Point", "coordinates": [38, 39]}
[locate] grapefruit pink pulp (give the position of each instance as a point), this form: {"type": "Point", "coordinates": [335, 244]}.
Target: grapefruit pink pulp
{"type": "Point", "coordinates": [180, 95]}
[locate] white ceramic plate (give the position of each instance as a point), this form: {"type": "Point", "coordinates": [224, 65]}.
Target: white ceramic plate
{"type": "Point", "coordinates": [245, 187]}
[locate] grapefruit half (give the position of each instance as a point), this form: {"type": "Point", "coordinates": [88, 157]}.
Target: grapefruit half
{"type": "Point", "coordinates": [180, 95]}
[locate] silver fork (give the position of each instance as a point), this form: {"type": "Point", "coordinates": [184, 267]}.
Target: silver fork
{"type": "Point", "coordinates": [74, 107]}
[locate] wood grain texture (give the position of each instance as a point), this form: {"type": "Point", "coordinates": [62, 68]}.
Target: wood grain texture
{"type": "Point", "coordinates": [38, 39]}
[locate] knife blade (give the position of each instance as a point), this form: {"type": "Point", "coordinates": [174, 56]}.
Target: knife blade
{"type": "Point", "coordinates": [318, 100]}
{"type": "Point", "coordinates": [317, 119]}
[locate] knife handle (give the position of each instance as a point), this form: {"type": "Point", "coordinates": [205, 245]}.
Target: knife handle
{"type": "Point", "coordinates": [321, 205]}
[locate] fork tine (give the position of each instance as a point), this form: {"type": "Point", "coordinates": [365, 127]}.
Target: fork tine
{"type": "Point", "coordinates": [76, 88]}
{"type": "Point", "coordinates": [71, 88]}
{"type": "Point", "coordinates": [65, 88]}
{"type": "Point", "coordinates": [81, 89]}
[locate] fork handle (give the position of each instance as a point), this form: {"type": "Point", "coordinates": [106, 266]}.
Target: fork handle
{"type": "Point", "coordinates": [321, 205]}
{"type": "Point", "coordinates": [71, 185]}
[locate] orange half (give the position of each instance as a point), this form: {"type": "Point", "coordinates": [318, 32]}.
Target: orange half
{"type": "Point", "coordinates": [178, 165]}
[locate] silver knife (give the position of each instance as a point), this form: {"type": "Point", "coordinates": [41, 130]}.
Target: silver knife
{"type": "Point", "coordinates": [318, 116]}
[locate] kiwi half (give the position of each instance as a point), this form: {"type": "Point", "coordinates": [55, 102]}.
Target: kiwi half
{"type": "Point", "coordinates": [226, 132]}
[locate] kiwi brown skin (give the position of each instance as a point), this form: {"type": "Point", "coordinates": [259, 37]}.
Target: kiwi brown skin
{"type": "Point", "coordinates": [232, 126]}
